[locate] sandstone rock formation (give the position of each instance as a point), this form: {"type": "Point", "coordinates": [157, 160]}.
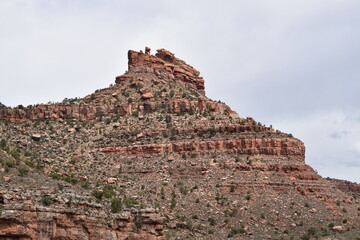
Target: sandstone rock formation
{"type": "Point", "coordinates": [152, 157]}
{"type": "Point", "coordinates": [142, 68]}
{"type": "Point", "coordinates": [68, 217]}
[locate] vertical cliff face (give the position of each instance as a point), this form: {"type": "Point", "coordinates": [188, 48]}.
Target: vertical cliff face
{"type": "Point", "coordinates": [31, 212]}
{"type": "Point", "coordinates": [152, 157]}
{"type": "Point", "coordinates": [165, 66]}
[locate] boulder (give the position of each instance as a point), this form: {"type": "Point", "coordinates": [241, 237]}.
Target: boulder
{"type": "Point", "coordinates": [313, 210]}
{"type": "Point", "coordinates": [111, 180]}
{"type": "Point", "coordinates": [339, 228]}
{"type": "Point", "coordinates": [36, 137]}
{"type": "Point", "coordinates": [147, 95]}
{"type": "Point", "coordinates": [6, 179]}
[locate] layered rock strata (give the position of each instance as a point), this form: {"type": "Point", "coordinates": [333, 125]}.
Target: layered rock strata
{"type": "Point", "coordinates": [70, 216]}
{"type": "Point", "coordinates": [155, 141]}
{"type": "Point", "coordinates": [285, 147]}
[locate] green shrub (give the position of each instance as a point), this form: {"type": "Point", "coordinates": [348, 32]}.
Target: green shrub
{"type": "Point", "coordinates": [9, 164]}
{"type": "Point", "coordinates": [46, 201]}
{"type": "Point", "coordinates": [97, 194]}
{"type": "Point", "coordinates": [108, 191]}
{"type": "Point", "coordinates": [135, 113]}
{"type": "Point", "coordinates": [129, 202]}
{"type": "Point", "coordinates": [168, 119]}
{"type": "Point", "coordinates": [162, 193]}
{"type": "Point", "coordinates": [138, 224]}
{"type": "Point", "coordinates": [60, 186]}
{"type": "Point", "coordinates": [23, 171]}
{"type": "Point", "coordinates": [3, 144]}
{"type": "Point", "coordinates": [233, 212]}
{"type": "Point", "coordinates": [115, 205]}
{"type": "Point", "coordinates": [212, 221]}
{"type": "Point", "coordinates": [181, 218]}
{"type": "Point", "coordinates": [30, 164]}
{"type": "Point", "coordinates": [183, 190]}
{"type": "Point", "coordinates": [305, 237]}
{"type": "Point", "coordinates": [311, 231]}
{"type": "Point", "coordinates": [71, 180]}
{"type": "Point", "coordinates": [85, 185]}
{"type": "Point", "coordinates": [235, 231]}
{"type": "Point", "coordinates": [173, 203]}
{"type": "Point", "coordinates": [55, 176]}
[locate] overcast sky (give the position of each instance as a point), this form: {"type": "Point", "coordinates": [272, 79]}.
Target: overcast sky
{"type": "Point", "coordinates": [292, 64]}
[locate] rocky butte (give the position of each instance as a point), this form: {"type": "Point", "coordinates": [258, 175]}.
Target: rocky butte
{"type": "Point", "coordinates": [151, 157]}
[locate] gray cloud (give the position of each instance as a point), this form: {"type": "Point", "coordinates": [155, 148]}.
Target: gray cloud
{"type": "Point", "coordinates": [292, 64]}
{"type": "Point", "coordinates": [338, 135]}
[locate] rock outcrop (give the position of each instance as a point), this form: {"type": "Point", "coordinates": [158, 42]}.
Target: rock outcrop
{"type": "Point", "coordinates": [347, 186]}
{"type": "Point", "coordinates": [151, 157]}
{"type": "Point", "coordinates": [165, 66]}
{"type": "Point", "coordinates": [44, 214]}
{"type": "Point", "coordinates": [278, 147]}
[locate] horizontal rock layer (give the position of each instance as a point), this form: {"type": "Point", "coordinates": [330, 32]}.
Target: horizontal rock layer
{"type": "Point", "coordinates": [283, 147]}
{"type": "Point", "coordinates": [22, 218]}
{"type": "Point", "coordinates": [91, 111]}
{"type": "Point", "coordinates": [154, 143]}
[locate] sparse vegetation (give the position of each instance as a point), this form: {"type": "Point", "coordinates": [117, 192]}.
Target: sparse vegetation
{"type": "Point", "coordinates": [176, 156]}
{"type": "Point", "coordinates": [115, 205]}
{"type": "Point", "coordinates": [23, 171]}
{"type": "Point", "coordinates": [46, 201]}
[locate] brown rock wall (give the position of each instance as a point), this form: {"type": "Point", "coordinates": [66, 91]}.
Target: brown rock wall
{"type": "Point", "coordinates": [276, 147]}
{"type": "Point", "coordinates": [164, 61]}
{"type": "Point", "coordinates": [22, 218]}
{"type": "Point", "coordinates": [89, 111]}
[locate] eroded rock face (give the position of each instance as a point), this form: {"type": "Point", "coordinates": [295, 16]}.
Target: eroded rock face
{"type": "Point", "coordinates": [155, 141]}
{"type": "Point", "coordinates": [90, 111]}
{"type": "Point", "coordinates": [23, 216]}
{"type": "Point", "coordinates": [164, 65]}
{"type": "Point", "coordinates": [276, 147]}
{"type": "Point", "coordinates": [347, 186]}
